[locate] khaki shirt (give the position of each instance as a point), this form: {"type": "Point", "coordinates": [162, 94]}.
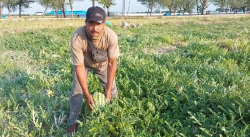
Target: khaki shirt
{"type": "Point", "coordinates": [108, 41]}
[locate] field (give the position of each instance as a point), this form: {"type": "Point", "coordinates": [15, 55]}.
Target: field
{"type": "Point", "coordinates": [177, 76]}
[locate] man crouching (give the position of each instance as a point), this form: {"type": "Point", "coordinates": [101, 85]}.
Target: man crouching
{"type": "Point", "coordinates": [94, 48]}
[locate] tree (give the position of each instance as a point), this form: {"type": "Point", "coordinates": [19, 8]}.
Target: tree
{"type": "Point", "coordinates": [220, 3]}
{"type": "Point", "coordinates": [23, 4]}
{"type": "Point", "coordinates": [54, 5]}
{"type": "Point", "coordinates": [149, 4]}
{"type": "Point", "coordinates": [234, 5]}
{"type": "Point", "coordinates": [245, 4]}
{"type": "Point", "coordinates": [181, 4]}
{"type": "Point", "coordinates": [71, 7]}
{"type": "Point", "coordinates": [45, 3]}
{"type": "Point", "coordinates": [174, 6]}
{"type": "Point", "coordinates": [61, 5]}
{"type": "Point", "coordinates": [161, 3]}
{"type": "Point", "coordinates": [170, 5]}
{"type": "Point", "coordinates": [0, 9]}
{"type": "Point", "coordinates": [204, 5]}
{"type": "Point", "coordinates": [70, 3]}
{"type": "Point", "coordinates": [189, 6]}
{"type": "Point", "coordinates": [57, 5]}
{"type": "Point", "coordinates": [226, 5]}
{"type": "Point", "coordinates": [107, 4]}
{"type": "Point", "coordinates": [93, 2]}
{"type": "Point", "coordinates": [10, 5]}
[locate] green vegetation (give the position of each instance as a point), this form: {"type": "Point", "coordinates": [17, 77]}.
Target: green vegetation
{"type": "Point", "coordinates": [201, 88]}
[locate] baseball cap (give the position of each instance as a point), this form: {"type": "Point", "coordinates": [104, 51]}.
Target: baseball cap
{"type": "Point", "coordinates": [96, 14]}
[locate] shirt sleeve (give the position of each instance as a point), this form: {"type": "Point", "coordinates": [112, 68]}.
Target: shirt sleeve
{"type": "Point", "coordinates": [76, 49]}
{"type": "Point", "coordinates": [113, 49]}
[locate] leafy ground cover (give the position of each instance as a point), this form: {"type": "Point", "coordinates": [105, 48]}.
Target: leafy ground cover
{"type": "Point", "coordinates": [189, 78]}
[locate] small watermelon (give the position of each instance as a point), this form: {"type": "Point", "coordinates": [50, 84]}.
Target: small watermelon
{"type": "Point", "coordinates": [99, 99]}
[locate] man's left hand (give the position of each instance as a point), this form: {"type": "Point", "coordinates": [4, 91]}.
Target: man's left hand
{"type": "Point", "coordinates": [108, 94]}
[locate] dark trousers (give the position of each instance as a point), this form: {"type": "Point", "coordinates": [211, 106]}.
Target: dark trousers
{"type": "Point", "coordinates": [76, 98]}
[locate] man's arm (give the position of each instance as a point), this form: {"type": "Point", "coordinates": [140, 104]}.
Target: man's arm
{"type": "Point", "coordinates": [112, 67]}
{"type": "Point", "coordinates": [82, 78]}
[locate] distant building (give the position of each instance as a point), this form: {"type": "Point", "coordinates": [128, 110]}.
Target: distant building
{"type": "Point", "coordinates": [4, 16]}
{"type": "Point", "coordinates": [68, 13]}
{"type": "Point", "coordinates": [39, 13]}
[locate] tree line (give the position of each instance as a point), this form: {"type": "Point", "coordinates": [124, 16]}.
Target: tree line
{"type": "Point", "coordinates": [173, 6]}
{"type": "Point", "coordinates": [56, 5]}
{"type": "Point", "coordinates": [199, 6]}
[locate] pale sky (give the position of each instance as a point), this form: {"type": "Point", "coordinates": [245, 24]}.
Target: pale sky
{"type": "Point", "coordinates": [134, 7]}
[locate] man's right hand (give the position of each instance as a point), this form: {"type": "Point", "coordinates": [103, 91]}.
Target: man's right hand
{"type": "Point", "coordinates": [90, 102]}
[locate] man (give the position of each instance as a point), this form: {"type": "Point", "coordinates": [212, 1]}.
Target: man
{"type": "Point", "coordinates": [94, 47]}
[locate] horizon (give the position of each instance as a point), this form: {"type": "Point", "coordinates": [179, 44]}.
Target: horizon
{"type": "Point", "coordinates": [83, 6]}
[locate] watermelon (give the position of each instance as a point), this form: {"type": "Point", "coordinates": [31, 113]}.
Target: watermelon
{"type": "Point", "coordinates": [99, 99]}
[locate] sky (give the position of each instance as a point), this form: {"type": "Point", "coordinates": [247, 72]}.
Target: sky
{"type": "Point", "coordinates": [134, 7]}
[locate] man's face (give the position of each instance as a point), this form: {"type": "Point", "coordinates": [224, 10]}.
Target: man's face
{"type": "Point", "coordinates": [95, 29]}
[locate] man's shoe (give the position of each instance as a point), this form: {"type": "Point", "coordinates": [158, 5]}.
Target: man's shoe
{"type": "Point", "coordinates": [72, 128]}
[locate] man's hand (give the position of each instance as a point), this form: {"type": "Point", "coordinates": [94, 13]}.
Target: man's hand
{"type": "Point", "coordinates": [89, 102]}
{"type": "Point", "coordinates": [108, 94]}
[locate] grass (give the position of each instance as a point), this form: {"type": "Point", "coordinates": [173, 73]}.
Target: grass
{"type": "Point", "coordinates": [199, 89]}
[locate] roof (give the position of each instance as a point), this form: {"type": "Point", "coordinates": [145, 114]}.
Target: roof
{"type": "Point", "coordinates": [66, 12]}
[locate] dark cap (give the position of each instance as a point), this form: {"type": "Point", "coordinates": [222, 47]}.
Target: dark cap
{"type": "Point", "coordinates": [96, 14]}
